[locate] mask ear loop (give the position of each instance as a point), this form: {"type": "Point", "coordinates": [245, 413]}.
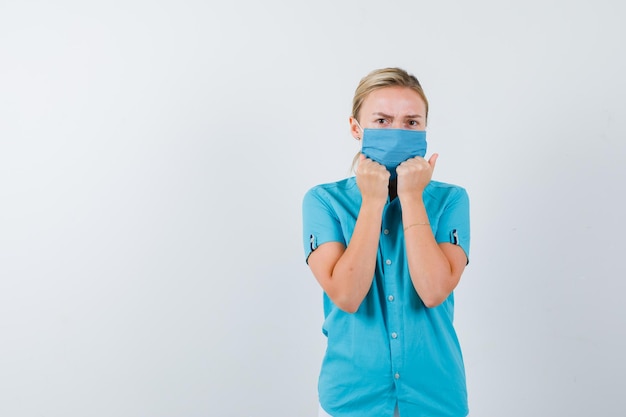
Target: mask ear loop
{"type": "Point", "coordinates": [359, 125]}
{"type": "Point", "coordinates": [355, 160]}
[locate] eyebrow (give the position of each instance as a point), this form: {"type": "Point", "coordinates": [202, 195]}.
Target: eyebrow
{"type": "Point", "coordinates": [408, 116]}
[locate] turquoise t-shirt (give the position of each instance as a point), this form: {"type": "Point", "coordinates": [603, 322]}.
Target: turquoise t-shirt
{"type": "Point", "coordinates": [393, 350]}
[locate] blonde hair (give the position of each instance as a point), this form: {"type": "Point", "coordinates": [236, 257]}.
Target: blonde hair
{"type": "Point", "coordinates": [381, 78]}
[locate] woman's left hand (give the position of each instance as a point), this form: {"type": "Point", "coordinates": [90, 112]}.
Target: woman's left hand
{"type": "Point", "coordinates": [414, 175]}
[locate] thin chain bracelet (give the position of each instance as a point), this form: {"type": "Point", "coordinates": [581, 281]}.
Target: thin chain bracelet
{"type": "Point", "coordinates": [416, 224]}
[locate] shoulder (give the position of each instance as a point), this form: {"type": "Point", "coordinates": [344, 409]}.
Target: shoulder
{"type": "Point", "coordinates": [333, 189]}
{"type": "Point", "coordinates": [445, 191]}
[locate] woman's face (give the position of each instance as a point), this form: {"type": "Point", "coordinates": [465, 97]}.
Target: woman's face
{"type": "Point", "coordinates": [391, 107]}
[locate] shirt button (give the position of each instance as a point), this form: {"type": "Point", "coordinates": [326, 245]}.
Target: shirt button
{"type": "Point", "coordinates": [388, 261]}
{"type": "Point", "coordinates": [390, 298]}
{"type": "Point", "coordinates": [397, 376]}
{"type": "Point", "coordinates": [394, 335]}
{"type": "Point", "coordinates": [386, 231]}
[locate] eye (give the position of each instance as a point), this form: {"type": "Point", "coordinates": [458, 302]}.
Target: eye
{"type": "Point", "coordinates": [414, 123]}
{"type": "Point", "coordinates": [381, 121]}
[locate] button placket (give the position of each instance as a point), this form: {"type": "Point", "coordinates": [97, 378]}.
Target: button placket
{"type": "Point", "coordinates": [389, 247]}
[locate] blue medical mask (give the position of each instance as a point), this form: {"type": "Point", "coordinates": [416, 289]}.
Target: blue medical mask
{"type": "Point", "coordinates": [391, 147]}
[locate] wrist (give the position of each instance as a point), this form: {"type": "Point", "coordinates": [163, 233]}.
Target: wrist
{"type": "Point", "coordinates": [373, 205]}
{"type": "Point", "coordinates": [417, 224]}
{"type": "Point", "coordinates": [411, 198]}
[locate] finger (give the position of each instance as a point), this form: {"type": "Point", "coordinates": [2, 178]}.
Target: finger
{"type": "Point", "coordinates": [360, 159]}
{"type": "Point", "coordinates": [433, 160]}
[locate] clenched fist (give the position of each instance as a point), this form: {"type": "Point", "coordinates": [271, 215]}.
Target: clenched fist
{"type": "Point", "coordinates": [414, 175]}
{"type": "Point", "coordinates": [372, 179]}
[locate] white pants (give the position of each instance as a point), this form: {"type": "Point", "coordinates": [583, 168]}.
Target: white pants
{"type": "Point", "coordinates": [323, 413]}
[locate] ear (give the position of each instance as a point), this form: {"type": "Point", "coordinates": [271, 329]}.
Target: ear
{"type": "Point", "coordinates": [355, 130]}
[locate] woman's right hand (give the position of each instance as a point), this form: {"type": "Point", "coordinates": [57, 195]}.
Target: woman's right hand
{"type": "Point", "coordinates": [372, 179]}
{"type": "Point", "coordinates": [346, 273]}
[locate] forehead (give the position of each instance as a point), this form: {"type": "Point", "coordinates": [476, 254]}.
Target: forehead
{"type": "Point", "coordinates": [394, 100]}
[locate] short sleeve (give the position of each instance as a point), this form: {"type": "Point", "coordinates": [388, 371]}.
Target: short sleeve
{"type": "Point", "coordinates": [454, 223]}
{"type": "Point", "coordinates": [319, 220]}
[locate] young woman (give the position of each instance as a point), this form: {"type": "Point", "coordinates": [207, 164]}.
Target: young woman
{"type": "Point", "coordinates": [388, 247]}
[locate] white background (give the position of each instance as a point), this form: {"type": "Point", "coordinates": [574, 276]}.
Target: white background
{"type": "Point", "coordinates": [153, 158]}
